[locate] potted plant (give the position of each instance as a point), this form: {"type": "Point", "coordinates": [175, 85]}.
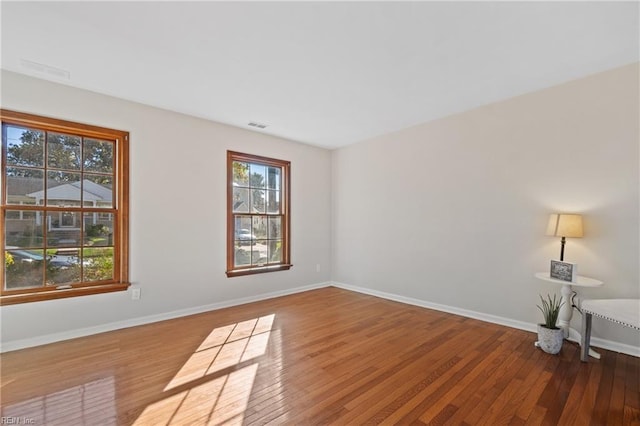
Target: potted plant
{"type": "Point", "coordinates": [550, 337]}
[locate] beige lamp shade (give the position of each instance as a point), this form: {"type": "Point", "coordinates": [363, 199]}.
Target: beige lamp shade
{"type": "Point", "coordinates": [565, 225]}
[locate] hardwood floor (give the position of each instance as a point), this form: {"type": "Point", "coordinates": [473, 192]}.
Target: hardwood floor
{"type": "Point", "coordinates": [327, 356]}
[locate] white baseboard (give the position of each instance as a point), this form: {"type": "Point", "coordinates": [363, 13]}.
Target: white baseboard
{"type": "Point", "coordinates": [81, 332]}
{"type": "Point", "coordinates": [595, 342]}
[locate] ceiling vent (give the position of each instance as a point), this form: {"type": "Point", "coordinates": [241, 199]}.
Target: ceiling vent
{"type": "Point", "coordinates": [258, 125]}
{"type": "Point", "coordinates": [45, 69]}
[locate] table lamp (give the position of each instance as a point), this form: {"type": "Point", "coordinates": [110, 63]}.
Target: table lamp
{"type": "Point", "coordinates": [564, 225]}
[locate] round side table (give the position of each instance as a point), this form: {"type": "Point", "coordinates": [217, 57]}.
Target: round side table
{"type": "Point", "coordinates": [566, 311]}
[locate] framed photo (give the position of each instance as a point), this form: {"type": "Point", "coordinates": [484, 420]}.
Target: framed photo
{"type": "Point", "coordinates": [563, 271]}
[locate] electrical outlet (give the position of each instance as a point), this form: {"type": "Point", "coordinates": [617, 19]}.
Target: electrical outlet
{"type": "Point", "coordinates": [135, 294]}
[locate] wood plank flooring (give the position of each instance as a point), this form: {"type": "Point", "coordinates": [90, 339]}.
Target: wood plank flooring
{"type": "Point", "coordinates": [327, 356]}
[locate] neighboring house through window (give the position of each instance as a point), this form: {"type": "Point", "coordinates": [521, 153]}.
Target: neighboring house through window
{"type": "Point", "coordinates": [64, 208]}
{"type": "Point", "coordinates": [258, 222]}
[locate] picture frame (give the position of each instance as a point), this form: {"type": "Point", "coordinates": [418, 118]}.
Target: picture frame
{"type": "Point", "coordinates": [563, 271]}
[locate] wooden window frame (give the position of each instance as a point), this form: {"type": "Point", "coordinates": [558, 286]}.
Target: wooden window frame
{"type": "Point", "coordinates": [285, 213]}
{"type": "Point", "coordinates": [120, 210]}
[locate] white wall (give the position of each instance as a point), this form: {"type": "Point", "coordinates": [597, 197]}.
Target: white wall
{"type": "Point", "coordinates": [454, 211]}
{"type": "Point", "coordinates": [178, 212]}
{"type": "Point", "coordinates": [451, 212]}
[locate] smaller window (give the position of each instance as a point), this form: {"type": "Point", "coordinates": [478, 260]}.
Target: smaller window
{"type": "Point", "coordinates": [258, 200]}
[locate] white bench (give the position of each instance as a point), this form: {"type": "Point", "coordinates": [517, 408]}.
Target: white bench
{"type": "Point", "coordinates": [625, 312]}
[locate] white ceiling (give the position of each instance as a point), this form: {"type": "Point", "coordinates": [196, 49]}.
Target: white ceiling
{"type": "Point", "coordinates": [323, 73]}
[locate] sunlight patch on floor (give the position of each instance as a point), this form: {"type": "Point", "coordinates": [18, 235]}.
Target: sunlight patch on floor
{"type": "Point", "coordinates": [215, 402]}
{"type": "Point", "coordinates": [224, 398]}
{"type": "Point", "coordinates": [89, 403]}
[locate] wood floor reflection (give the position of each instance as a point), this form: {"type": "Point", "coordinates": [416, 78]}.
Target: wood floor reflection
{"type": "Point", "coordinates": [327, 356]}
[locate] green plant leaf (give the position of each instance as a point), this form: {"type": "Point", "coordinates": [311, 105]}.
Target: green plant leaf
{"type": "Point", "coordinates": [550, 310]}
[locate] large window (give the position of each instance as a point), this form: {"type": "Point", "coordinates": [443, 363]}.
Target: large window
{"type": "Point", "coordinates": [64, 209]}
{"type": "Point", "coordinates": [258, 214]}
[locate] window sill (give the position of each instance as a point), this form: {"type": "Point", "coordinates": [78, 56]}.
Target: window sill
{"type": "Point", "coordinates": [261, 270]}
{"type": "Point", "coordinates": [61, 294]}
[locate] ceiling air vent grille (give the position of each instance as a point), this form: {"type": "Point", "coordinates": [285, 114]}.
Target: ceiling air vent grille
{"type": "Point", "coordinates": [45, 69]}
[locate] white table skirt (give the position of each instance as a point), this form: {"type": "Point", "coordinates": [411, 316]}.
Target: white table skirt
{"type": "Point", "coordinates": [622, 311]}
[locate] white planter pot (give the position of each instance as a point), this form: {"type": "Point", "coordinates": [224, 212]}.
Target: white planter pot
{"type": "Point", "coordinates": [549, 339]}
